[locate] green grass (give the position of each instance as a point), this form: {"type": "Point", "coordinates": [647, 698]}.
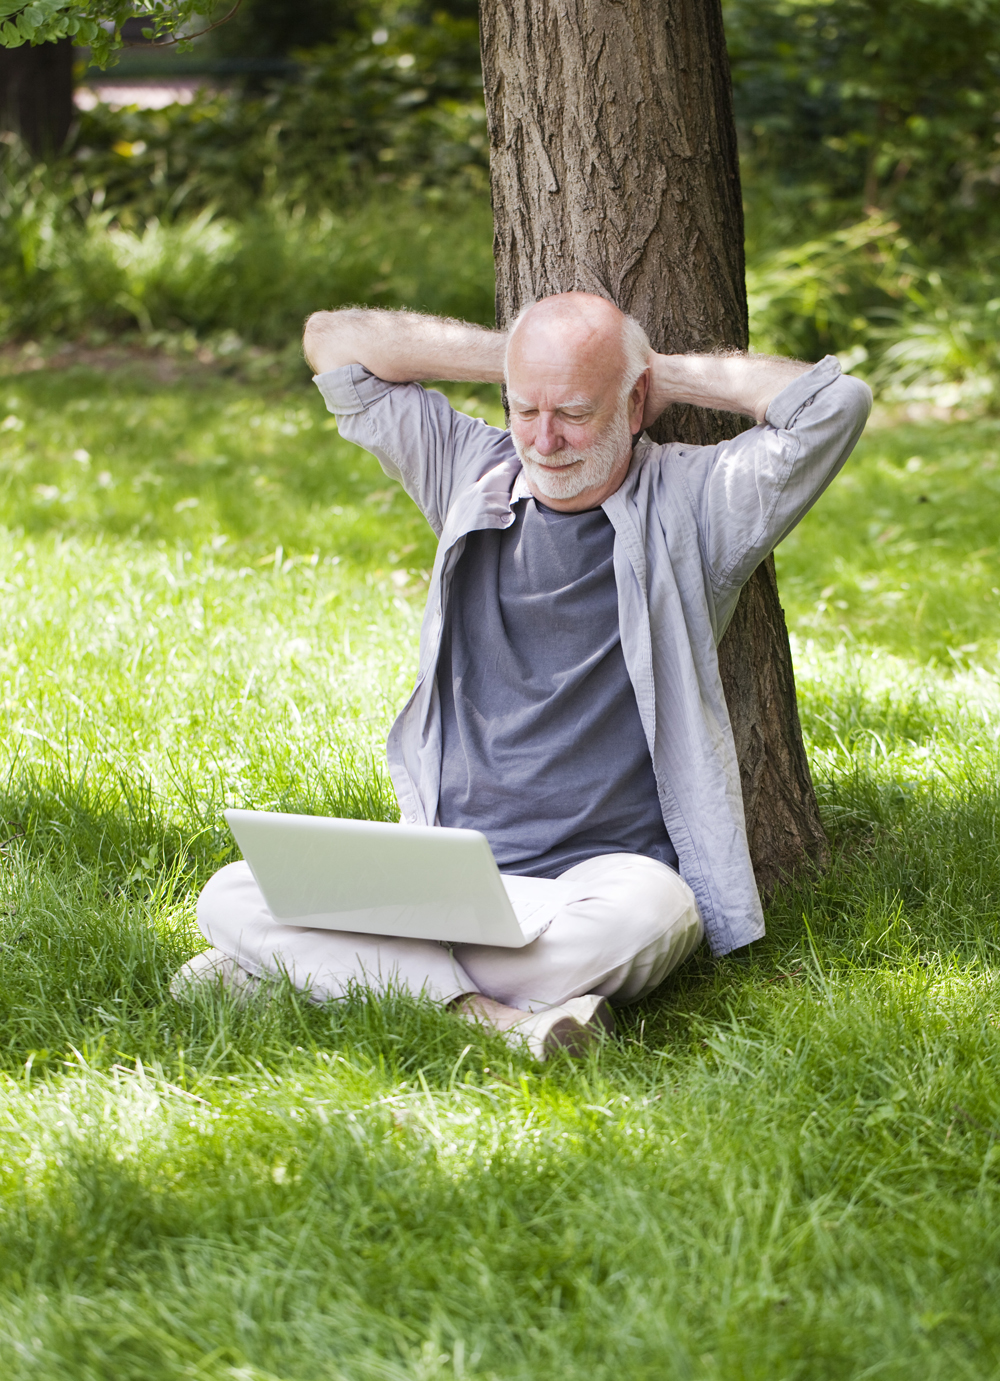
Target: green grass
{"type": "Point", "coordinates": [786, 1166]}
{"type": "Point", "coordinates": [904, 552]}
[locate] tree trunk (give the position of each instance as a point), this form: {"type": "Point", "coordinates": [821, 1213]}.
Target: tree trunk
{"type": "Point", "coordinates": [614, 169]}
{"type": "Point", "coordinates": [36, 94]}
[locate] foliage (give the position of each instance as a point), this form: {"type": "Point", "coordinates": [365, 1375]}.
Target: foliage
{"type": "Point", "coordinates": [247, 27]}
{"type": "Point", "coordinates": [68, 269]}
{"type": "Point", "coordinates": [273, 28]}
{"type": "Point", "coordinates": [917, 334]}
{"type": "Point", "coordinates": [98, 24]}
{"type": "Point", "coordinates": [401, 105]}
{"type": "Point", "coordinates": [847, 106]}
{"type": "Point", "coordinates": [365, 180]}
{"type": "Point", "coordinates": [784, 1166]}
{"type": "Point", "coordinates": [257, 277]}
{"type": "Point", "coordinates": [844, 107]}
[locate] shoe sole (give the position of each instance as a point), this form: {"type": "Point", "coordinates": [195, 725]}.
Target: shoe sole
{"type": "Point", "coordinates": [568, 1035]}
{"type": "Point", "coordinates": [605, 1017]}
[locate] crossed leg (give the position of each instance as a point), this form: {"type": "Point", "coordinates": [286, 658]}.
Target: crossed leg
{"type": "Point", "coordinates": [626, 921]}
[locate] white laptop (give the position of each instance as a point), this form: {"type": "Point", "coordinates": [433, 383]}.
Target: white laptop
{"type": "Point", "coordinates": [417, 881]}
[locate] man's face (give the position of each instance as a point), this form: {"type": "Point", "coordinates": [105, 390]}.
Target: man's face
{"type": "Point", "coordinates": [570, 425]}
{"type": "Point", "coordinates": [573, 475]}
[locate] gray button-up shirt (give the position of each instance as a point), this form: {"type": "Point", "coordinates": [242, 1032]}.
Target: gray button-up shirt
{"type": "Point", "coordinates": [691, 525]}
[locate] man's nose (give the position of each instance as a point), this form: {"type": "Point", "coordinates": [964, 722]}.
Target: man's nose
{"type": "Point", "coordinates": [547, 441]}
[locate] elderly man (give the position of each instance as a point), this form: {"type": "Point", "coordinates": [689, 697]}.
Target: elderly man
{"type": "Point", "coordinates": [568, 702]}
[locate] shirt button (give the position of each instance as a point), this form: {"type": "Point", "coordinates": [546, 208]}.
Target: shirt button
{"type": "Point", "coordinates": [412, 817]}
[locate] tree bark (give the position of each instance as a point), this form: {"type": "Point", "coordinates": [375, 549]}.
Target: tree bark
{"type": "Point", "coordinates": [36, 94]}
{"type": "Point", "coordinates": [614, 170]}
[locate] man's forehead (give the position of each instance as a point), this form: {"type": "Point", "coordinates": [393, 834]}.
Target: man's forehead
{"type": "Point", "coordinates": [566, 359]}
{"type": "Point", "coordinates": [562, 344]}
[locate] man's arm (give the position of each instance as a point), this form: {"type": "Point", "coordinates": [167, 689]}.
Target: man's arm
{"type": "Point", "coordinates": [404, 347]}
{"type": "Point", "coordinates": [731, 383]}
{"type": "Point", "coordinates": [750, 490]}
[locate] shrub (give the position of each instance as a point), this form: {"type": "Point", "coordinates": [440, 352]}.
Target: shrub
{"type": "Point", "coordinates": [400, 106]}
{"type": "Point", "coordinates": [867, 293]}
{"type": "Point", "coordinates": [259, 276]}
{"type": "Point", "coordinates": [850, 105]}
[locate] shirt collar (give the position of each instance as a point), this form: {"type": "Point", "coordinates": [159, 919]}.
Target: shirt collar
{"type": "Point", "coordinates": [520, 490]}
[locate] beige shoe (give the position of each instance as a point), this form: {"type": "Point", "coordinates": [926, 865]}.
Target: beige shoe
{"type": "Point", "coordinates": [212, 969]}
{"type": "Point", "coordinates": [573, 1026]}
{"type": "Point", "coordinates": [593, 1011]}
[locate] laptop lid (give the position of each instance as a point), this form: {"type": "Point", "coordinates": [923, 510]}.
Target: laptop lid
{"type": "Point", "coordinates": [416, 881]}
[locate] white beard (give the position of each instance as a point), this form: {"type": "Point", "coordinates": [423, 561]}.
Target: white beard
{"type": "Point", "coordinates": [589, 469]}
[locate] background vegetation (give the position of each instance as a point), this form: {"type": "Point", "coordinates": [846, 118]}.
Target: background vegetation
{"type": "Point", "coordinates": [871, 168]}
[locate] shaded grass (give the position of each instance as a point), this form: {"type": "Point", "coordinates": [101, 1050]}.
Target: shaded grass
{"type": "Point", "coordinates": [794, 1179]}
{"type": "Point", "coordinates": [785, 1166]}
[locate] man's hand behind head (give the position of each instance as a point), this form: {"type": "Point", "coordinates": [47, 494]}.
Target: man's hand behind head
{"type": "Point", "coordinates": [403, 347]}
{"type": "Point", "coordinates": [732, 382]}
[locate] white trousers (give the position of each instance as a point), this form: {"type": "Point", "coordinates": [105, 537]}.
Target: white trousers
{"type": "Point", "coordinates": [625, 922]}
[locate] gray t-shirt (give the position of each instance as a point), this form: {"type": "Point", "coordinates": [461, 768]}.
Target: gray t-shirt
{"type": "Point", "coordinates": [542, 745]}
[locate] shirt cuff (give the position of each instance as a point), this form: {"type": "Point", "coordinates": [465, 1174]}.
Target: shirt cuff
{"type": "Point", "coordinates": [351, 389]}
{"type": "Point", "coordinates": [786, 406]}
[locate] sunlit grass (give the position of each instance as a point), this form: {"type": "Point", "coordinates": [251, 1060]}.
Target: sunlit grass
{"type": "Point", "coordinates": [786, 1166]}
{"type": "Point", "coordinates": [904, 551]}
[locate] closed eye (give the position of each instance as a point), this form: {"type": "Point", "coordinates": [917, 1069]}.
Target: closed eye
{"type": "Point", "coordinates": [576, 418]}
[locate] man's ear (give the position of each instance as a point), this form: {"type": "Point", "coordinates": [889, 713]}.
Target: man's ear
{"type": "Point", "coordinates": [637, 402]}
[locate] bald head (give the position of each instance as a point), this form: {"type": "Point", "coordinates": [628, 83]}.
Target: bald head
{"type": "Point", "coordinates": [587, 334]}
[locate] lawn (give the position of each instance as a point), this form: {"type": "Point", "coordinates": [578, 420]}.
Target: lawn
{"type": "Point", "coordinates": [787, 1165]}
